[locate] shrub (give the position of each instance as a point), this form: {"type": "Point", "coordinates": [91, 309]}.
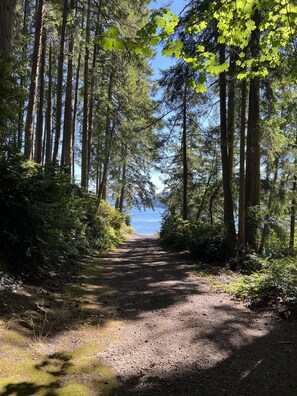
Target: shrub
{"type": "Point", "coordinates": [203, 240]}
{"type": "Point", "coordinates": [247, 263]}
{"type": "Point", "coordinates": [278, 279]}
{"type": "Point", "coordinates": [175, 232]}
{"type": "Point", "coordinates": [45, 219]}
{"type": "Point", "coordinates": [209, 241]}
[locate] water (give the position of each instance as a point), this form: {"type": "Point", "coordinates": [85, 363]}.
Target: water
{"type": "Point", "coordinates": [146, 222]}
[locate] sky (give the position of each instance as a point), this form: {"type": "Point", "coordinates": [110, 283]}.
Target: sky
{"type": "Point", "coordinates": [161, 62]}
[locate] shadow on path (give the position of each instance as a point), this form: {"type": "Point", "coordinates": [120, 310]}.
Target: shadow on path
{"type": "Point", "coordinates": [182, 338]}
{"type": "Point", "coordinates": [141, 277]}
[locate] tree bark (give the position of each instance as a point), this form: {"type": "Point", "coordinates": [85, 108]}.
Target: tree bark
{"type": "Point", "coordinates": [108, 140]}
{"type": "Point", "coordinates": [123, 181]}
{"type": "Point", "coordinates": [39, 118]}
{"type": "Point", "coordinates": [84, 149]}
{"type": "Point", "coordinates": [253, 148]}
{"type": "Point", "coordinates": [293, 208]}
{"type": "Point", "coordinates": [185, 159]}
{"type": "Point", "coordinates": [270, 201]}
{"type": "Point", "coordinates": [67, 132]}
{"type": "Point", "coordinates": [32, 91]}
{"type": "Point", "coordinates": [22, 81]}
{"type": "Point", "coordinates": [92, 96]}
{"type": "Point", "coordinates": [7, 12]}
{"type": "Point", "coordinates": [48, 127]}
{"type": "Point", "coordinates": [293, 215]}
{"type": "Point", "coordinates": [59, 101]}
{"type": "Point", "coordinates": [103, 186]}
{"type": "Point", "coordinates": [231, 112]}
{"type": "Point", "coordinates": [75, 113]}
{"type": "Point", "coordinates": [228, 202]}
{"type": "Point", "coordinates": [241, 205]}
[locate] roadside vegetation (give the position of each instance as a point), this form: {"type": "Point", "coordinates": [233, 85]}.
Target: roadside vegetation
{"type": "Point", "coordinates": [46, 220]}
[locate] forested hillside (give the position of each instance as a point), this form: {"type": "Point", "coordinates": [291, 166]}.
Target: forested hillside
{"type": "Point", "coordinates": [79, 124]}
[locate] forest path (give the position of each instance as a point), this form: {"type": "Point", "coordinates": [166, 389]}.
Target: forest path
{"type": "Point", "coordinates": [178, 336]}
{"type": "Point", "coordinates": [137, 321]}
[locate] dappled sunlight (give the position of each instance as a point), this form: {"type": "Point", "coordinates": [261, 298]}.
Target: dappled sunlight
{"type": "Point", "coordinates": [182, 337]}
{"type": "Point", "coordinates": [158, 330]}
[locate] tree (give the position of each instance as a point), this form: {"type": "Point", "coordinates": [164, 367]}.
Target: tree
{"type": "Point", "coordinates": [7, 12]}
{"type": "Point", "coordinates": [32, 92]}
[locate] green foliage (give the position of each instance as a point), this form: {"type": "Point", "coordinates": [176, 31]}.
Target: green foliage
{"type": "Point", "coordinates": [112, 222]}
{"type": "Point", "coordinates": [253, 221]}
{"type": "Point", "coordinates": [277, 279]}
{"type": "Point", "coordinates": [203, 240]}
{"type": "Point", "coordinates": [175, 232]}
{"type": "Point", "coordinates": [45, 219]}
{"type": "Point", "coordinates": [9, 96]}
{"type": "Point", "coordinates": [160, 26]}
{"type": "Point", "coordinates": [247, 264]}
{"type": "Point", "coordinates": [209, 241]}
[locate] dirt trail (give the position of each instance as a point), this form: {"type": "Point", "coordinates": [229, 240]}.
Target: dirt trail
{"type": "Point", "coordinates": [178, 336]}
{"type": "Point", "coordinates": [138, 322]}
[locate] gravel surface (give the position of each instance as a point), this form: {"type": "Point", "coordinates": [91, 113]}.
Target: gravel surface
{"type": "Point", "coordinates": [178, 336]}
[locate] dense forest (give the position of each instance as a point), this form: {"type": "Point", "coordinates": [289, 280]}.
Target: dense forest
{"type": "Point", "coordinates": [82, 121]}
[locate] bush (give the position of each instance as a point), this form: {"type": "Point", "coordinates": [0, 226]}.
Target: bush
{"type": "Point", "coordinates": [247, 263]}
{"type": "Point", "coordinates": [209, 242]}
{"type": "Point", "coordinates": [175, 232]}
{"type": "Point", "coordinates": [205, 241]}
{"type": "Point", "coordinates": [278, 279]}
{"type": "Point", "coordinates": [45, 219]}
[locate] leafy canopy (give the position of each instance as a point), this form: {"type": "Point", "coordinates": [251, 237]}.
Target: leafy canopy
{"type": "Point", "coordinates": [234, 23]}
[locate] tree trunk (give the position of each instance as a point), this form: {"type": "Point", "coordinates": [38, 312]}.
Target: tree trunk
{"type": "Point", "coordinates": [231, 112]}
{"type": "Point", "coordinates": [252, 197]}
{"type": "Point", "coordinates": [241, 205]}
{"type": "Point", "coordinates": [293, 215]}
{"type": "Point", "coordinates": [39, 117]}
{"type": "Point", "coordinates": [32, 91]}
{"type": "Point", "coordinates": [103, 186]}
{"type": "Point", "coordinates": [270, 201]}
{"type": "Point", "coordinates": [212, 198]}
{"type": "Point", "coordinates": [228, 202]}
{"type": "Point", "coordinates": [48, 144]}
{"type": "Point", "coordinates": [59, 101]}
{"type": "Point", "coordinates": [84, 149]}
{"type": "Point", "coordinates": [7, 11]}
{"type": "Point", "coordinates": [67, 132]}
{"type": "Point", "coordinates": [92, 88]}
{"type": "Point", "coordinates": [98, 168]}
{"type": "Point", "coordinates": [108, 140]}
{"type": "Point", "coordinates": [293, 208]}
{"type": "Point", "coordinates": [75, 105]}
{"type": "Point", "coordinates": [123, 181]}
{"type": "Point", "coordinates": [22, 81]}
{"type": "Point", "coordinates": [74, 113]}
{"type": "Point", "coordinates": [203, 200]}
{"type": "Point", "coordinates": [185, 159]}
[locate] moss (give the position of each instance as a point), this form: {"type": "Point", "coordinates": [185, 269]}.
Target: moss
{"type": "Point", "coordinates": [105, 380]}
{"type": "Point", "coordinates": [61, 373]}
{"type": "Point", "coordinates": [13, 338]}
{"type": "Point", "coordinates": [74, 389]}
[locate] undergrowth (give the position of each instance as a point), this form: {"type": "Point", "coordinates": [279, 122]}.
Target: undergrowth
{"type": "Point", "coordinates": [47, 220]}
{"type": "Point", "coordinates": [276, 281]}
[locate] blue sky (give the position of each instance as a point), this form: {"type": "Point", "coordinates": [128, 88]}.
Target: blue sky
{"type": "Point", "coordinates": [161, 62]}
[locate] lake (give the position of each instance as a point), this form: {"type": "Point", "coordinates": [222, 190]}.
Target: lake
{"type": "Point", "coordinates": [146, 222]}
